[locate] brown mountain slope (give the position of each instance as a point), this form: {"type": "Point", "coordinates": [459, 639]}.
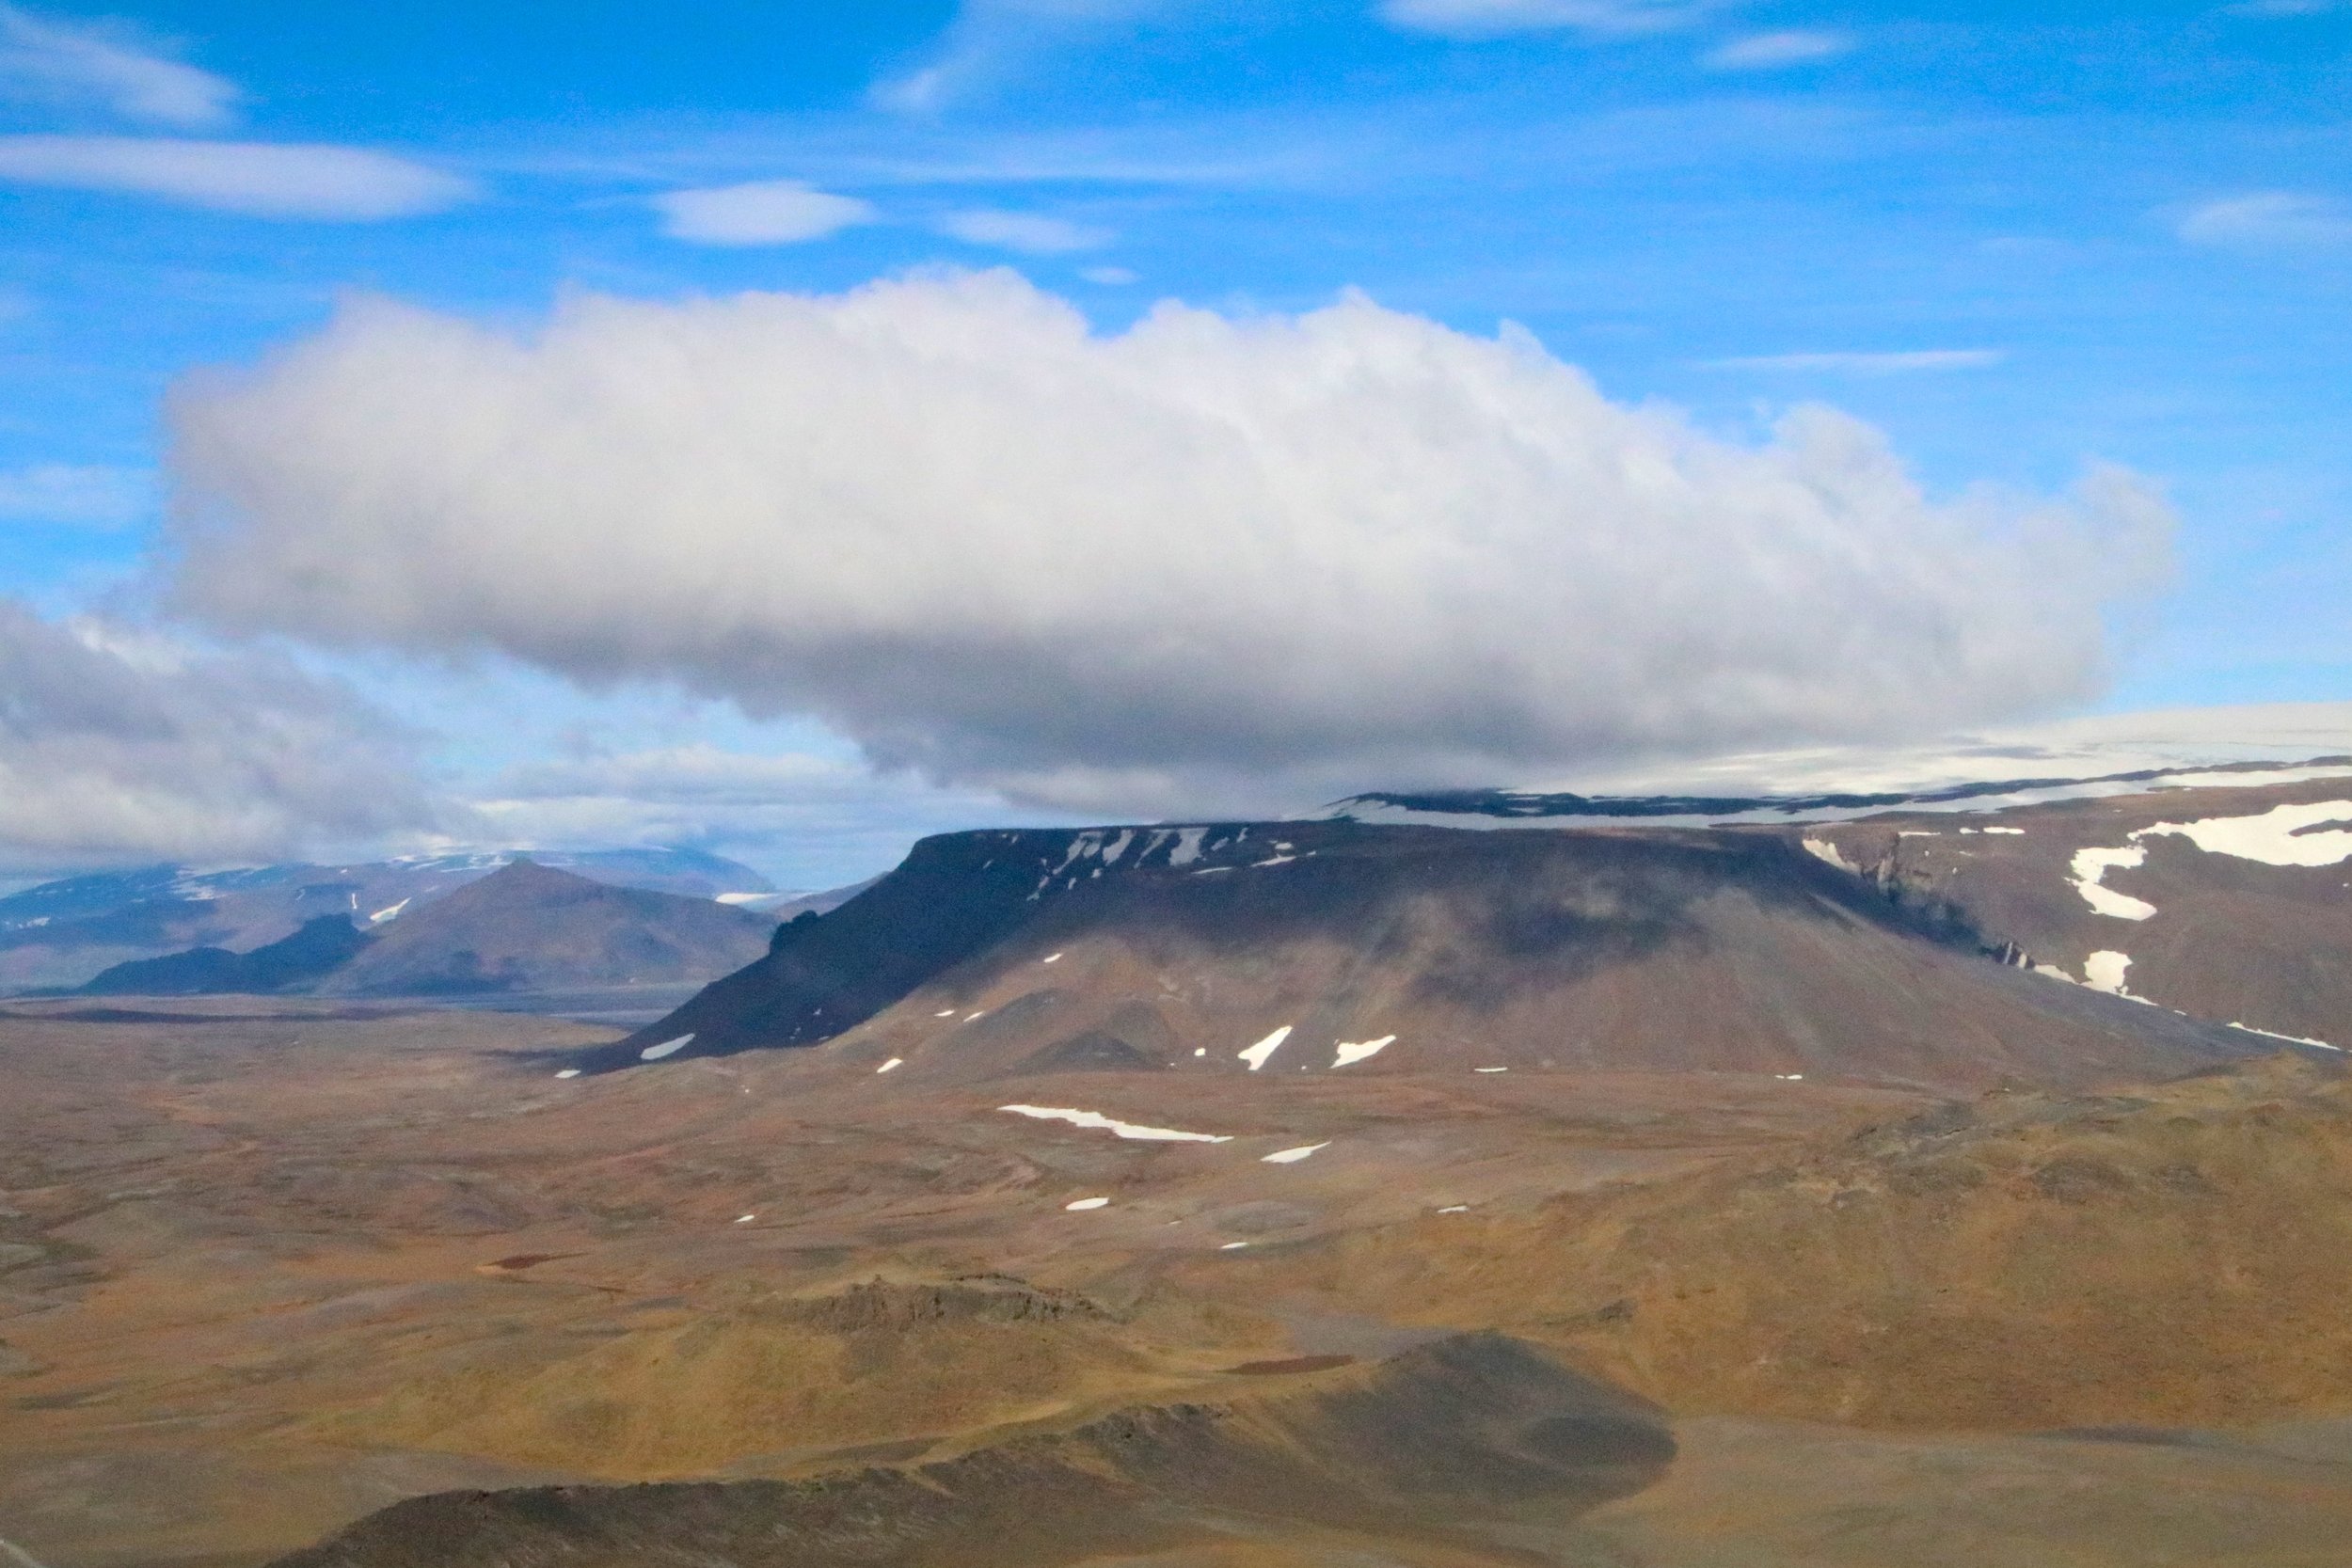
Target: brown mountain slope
{"type": "Point", "coordinates": [528, 926]}
{"type": "Point", "coordinates": [997, 953]}
{"type": "Point", "coordinates": [2230, 927]}
{"type": "Point", "coordinates": [2178, 1255]}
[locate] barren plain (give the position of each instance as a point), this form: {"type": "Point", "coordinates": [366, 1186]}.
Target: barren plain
{"type": "Point", "coordinates": [271, 1267]}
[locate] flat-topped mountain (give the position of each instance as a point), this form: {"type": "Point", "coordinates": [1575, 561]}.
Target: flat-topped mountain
{"type": "Point", "coordinates": [1335, 946]}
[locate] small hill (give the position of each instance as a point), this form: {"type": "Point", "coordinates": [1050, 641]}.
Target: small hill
{"type": "Point", "coordinates": [1445, 1454]}
{"type": "Point", "coordinates": [528, 926]}
{"type": "Point", "coordinates": [311, 953]}
{"type": "Point", "coordinates": [778, 1378]}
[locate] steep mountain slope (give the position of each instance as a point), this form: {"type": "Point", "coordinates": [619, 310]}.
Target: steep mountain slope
{"type": "Point", "coordinates": [320, 946]}
{"type": "Point", "coordinates": [2178, 1255]}
{"type": "Point", "coordinates": [1408, 949]}
{"type": "Point", "coordinates": [63, 933]}
{"type": "Point", "coordinates": [528, 926]}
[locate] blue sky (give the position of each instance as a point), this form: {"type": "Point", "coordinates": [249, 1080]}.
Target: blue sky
{"type": "Point", "coordinates": [2015, 239]}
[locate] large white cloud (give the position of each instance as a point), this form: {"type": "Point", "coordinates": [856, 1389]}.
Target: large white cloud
{"type": "Point", "coordinates": [116, 745]}
{"type": "Point", "coordinates": [1207, 561]}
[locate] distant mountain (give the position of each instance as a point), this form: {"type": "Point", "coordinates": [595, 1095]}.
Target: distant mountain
{"type": "Point", "coordinates": [63, 933]}
{"type": "Point", "coordinates": [532, 927]}
{"type": "Point", "coordinates": [523, 927]}
{"type": "Point", "coordinates": [312, 952]}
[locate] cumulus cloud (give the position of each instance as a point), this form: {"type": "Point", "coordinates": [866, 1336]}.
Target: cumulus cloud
{"type": "Point", "coordinates": [2266, 220]}
{"type": "Point", "coordinates": [1777, 50]}
{"type": "Point", "coordinates": [1032, 233]}
{"type": "Point", "coordinates": [70, 63]}
{"type": "Point", "coordinates": [256, 178]}
{"type": "Point", "coordinates": [766, 211]}
{"type": "Point", "coordinates": [1491, 18]}
{"type": "Point", "coordinates": [1206, 562]}
{"type": "Point", "coordinates": [118, 745]}
{"type": "Point", "coordinates": [62, 494]}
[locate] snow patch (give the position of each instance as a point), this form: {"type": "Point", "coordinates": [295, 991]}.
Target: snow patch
{"type": "Point", "coordinates": [1292, 1156]}
{"type": "Point", "coordinates": [1490, 1070]}
{"type": "Point", "coordinates": [1823, 850]}
{"type": "Point", "coordinates": [2104, 969]}
{"type": "Point", "coordinates": [2007, 832]}
{"type": "Point", "coordinates": [667, 1048]}
{"type": "Point", "coordinates": [746, 1219]}
{"type": "Point", "coordinates": [2283, 835]}
{"type": "Point", "coordinates": [1082, 1205]}
{"type": "Point", "coordinates": [2273, 1034]}
{"type": "Point", "coordinates": [1187, 845]}
{"type": "Point", "coordinates": [1352, 1052]}
{"type": "Point", "coordinates": [380, 916]}
{"type": "Point", "coordinates": [1232, 1247]}
{"type": "Point", "coordinates": [894, 1062]}
{"type": "Point", "coordinates": [1122, 1129]}
{"type": "Point", "coordinates": [2089, 865]}
{"type": "Point", "coordinates": [569, 1072]}
{"type": "Point", "coordinates": [1051, 959]}
{"type": "Point", "coordinates": [1790, 1077]}
{"type": "Point", "coordinates": [1256, 1055]}
{"type": "Point", "coordinates": [1454, 1209]}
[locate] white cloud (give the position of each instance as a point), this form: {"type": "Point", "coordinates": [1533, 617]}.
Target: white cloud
{"type": "Point", "coordinates": [59, 493]}
{"type": "Point", "coordinates": [256, 179]}
{"type": "Point", "coordinates": [1492, 18]}
{"type": "Point", "coordinates": [68, 64]}
{"type": "Point", "coordinates": [988, 39]}
{"type": "Point", "coordinates": [1031, 234]}
{"type": "Point", "coordinates": [1251, 563]}
{"type": "Point", "coordinates": [118, 745]}
{"type": "Point", "coordinates": [2271, 9]}
{"type": "Point", "coordinates": [766, 211]}
{"type": "Point", "coordinates": [1849, 363]}
{"type": "Point", "coordinates": [1110, 278]}
{"type": "Point", "coordinates": [2268, 220]}
{"type": "Point", "coordinates": [1777, 50]}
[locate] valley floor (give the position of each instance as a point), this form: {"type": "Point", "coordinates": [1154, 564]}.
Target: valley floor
{"type": "Point", "coordinates": [268, 1267]}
